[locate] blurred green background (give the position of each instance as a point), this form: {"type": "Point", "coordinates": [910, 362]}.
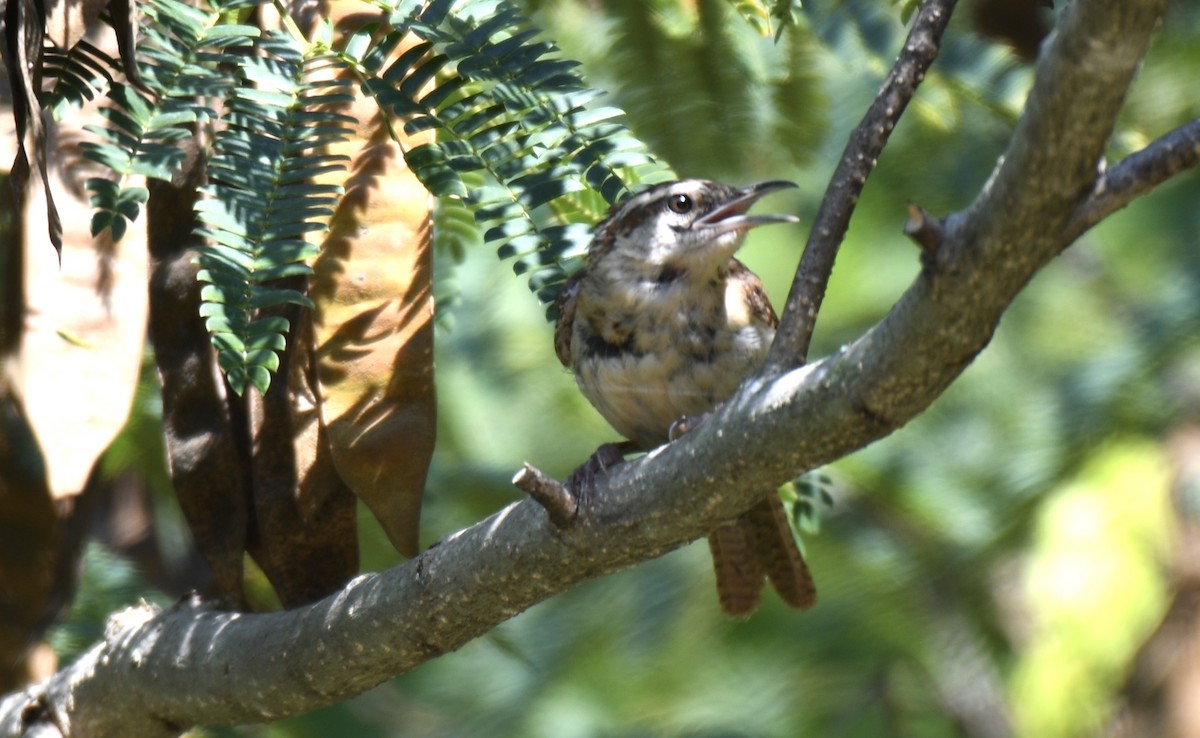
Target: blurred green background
{"type": "Point", "coordinates": [994, 568]}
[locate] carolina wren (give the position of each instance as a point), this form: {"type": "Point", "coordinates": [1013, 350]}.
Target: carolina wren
{"type": "Point", "coordinates": [663, 324]}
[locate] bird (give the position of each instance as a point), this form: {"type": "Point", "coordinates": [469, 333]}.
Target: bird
{"type": "Point", "coordinates": [659, 328]}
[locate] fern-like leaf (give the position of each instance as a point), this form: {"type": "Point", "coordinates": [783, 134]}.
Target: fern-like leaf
{"type": "Point", "coordinates": [179, 59]}
{"type": "Point", "coordinates": [261, 202]}
{"type": "Point", "coordinates": [80, 75]}
{"type": "Point", "coordinates": [505, 106]}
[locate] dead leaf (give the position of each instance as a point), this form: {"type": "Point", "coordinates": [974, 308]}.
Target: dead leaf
{"type": "Point", "coordinates": [67, 21]}
{"type": "Point", "coordinates": [374, 334]}
{"type": "Point", "coordinates": [306, 540]}
{"type": "Point", "coordinates": [373, 323]}
{"type": "Point", "coordinates": [84, 328]}
{"type": "Point", "coordinates": [207, 450]}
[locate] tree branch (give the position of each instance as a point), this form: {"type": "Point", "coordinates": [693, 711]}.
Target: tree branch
{"type": "Point", "coordinates": [548, 492]}
{"type": "Point", "coordinates": [155, 674]}
{"type": "Point", "coordinates": [866, 143]}
{"type": "Point", "coordinates": [1136, 175]}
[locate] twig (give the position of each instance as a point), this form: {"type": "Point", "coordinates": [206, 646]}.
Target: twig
{"type": "Point", "coordinates": [1136, 175]}
{"type": "Point", "coordinates": [926, 231]}
{"type": "Point", "coordinates": [548, 492]}
{"type": "Point", "coordinates": [833, 218]}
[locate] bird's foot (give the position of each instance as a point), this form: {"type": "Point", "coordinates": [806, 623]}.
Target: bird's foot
{"type": "Point", "coordinates": [563, 500]}
{"type": "Point", "coordinates": [582, 482]}
{"type": "Point", "coordinates": [685, 425]}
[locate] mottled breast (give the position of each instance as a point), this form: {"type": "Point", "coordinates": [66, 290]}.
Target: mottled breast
{"type": "Point", "coordinates": [645, 360]}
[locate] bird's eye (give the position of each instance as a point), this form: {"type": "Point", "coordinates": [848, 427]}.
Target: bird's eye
{"type": "Point", "coordinates": [680, 203]}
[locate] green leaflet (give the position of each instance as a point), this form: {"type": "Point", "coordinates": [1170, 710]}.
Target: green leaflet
{"type": "Point", "coordinates": [80, 75]}
{"type": "Point", "coordinates": [260, 201]}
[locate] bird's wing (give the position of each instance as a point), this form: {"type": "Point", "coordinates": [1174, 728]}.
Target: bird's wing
{"type": "Point", "coordinates": [756, 296]}
{"type": "Point", "coordinates": [566, 303]}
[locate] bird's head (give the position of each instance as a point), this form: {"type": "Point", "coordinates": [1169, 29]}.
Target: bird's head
{"type": "Point", "coordinates": [689, 225]}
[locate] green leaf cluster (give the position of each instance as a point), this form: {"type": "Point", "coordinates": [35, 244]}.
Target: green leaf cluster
{"type": "Point", "coordinates": [179, 64]}
{"type": "Point", "coordinates": [518, 136]}
{"type": "Point", "coordinates": [518, 141]}
{"type": "Point", "coordinates": [261, 201]}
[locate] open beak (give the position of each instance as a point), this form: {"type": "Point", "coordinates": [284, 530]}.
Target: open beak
{"type": "Point", "coordinates": [732, 216]}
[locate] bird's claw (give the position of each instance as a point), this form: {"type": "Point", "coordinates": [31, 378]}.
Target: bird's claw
{"type": "Point", "coordinates": [685, 425]}
{"type": "Point", "coordinates": [582, 482]}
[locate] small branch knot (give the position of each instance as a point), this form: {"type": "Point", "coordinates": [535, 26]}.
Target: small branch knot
{"type": "Point", "coordinates": [926, 231]}
{"type": "Point", "coordinates": [548, 492]}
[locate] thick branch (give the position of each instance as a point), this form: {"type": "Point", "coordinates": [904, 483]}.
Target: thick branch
{"type": "Point", "coordinates": [157, 674]}
{"type": "Point", "coordinates": [858, 160]}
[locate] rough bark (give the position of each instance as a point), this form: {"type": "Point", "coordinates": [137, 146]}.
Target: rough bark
{"type": "Point", "coordinates": [156, 674]}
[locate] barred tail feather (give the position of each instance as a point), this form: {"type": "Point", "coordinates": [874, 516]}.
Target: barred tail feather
{"type": "Point", "coordinates": [739, 574]}
{"type": "Point", "coordinates": [777, 553]}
